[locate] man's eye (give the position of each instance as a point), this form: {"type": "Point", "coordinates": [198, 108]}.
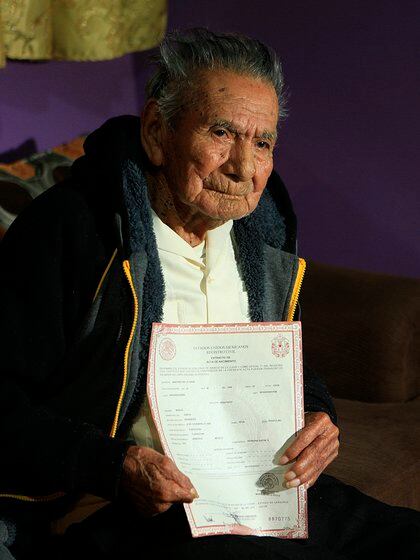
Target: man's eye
{"type": "Point", "coordinates": [219, 132]}
{"type": "Point", "coordinates": [263, 145]}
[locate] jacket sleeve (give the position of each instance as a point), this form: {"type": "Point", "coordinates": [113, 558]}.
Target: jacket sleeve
{"type": "Point", "coordinates": [316, 395]}
{"type": "Point", "coordinates": [40, 300]}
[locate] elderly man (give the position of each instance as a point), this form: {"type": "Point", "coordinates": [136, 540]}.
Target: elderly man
{"type": "Point", "coordinates": [178, 218]}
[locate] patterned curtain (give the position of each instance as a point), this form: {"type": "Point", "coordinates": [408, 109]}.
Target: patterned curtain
{"type": "Point", "coordinates": [79, 29]}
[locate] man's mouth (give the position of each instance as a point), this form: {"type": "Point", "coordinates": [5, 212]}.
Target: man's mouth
{"type": "Point", "coordinates": [223, 192]}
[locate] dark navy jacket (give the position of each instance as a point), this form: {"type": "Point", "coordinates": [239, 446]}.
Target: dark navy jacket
{"type": "Point", "coordinates": [81, 284]}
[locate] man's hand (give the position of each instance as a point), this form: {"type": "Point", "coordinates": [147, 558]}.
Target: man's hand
{"type": "Point", "coordinates": [315, 447]}
{"type": "Point", "coordinates": [152, 482]}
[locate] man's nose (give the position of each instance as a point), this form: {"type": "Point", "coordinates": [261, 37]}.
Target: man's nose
{"type": "Point", "coordinates": [240, 165]}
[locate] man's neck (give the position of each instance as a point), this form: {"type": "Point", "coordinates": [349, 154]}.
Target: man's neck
{"type": "Point", "coordinates": [189, 224]}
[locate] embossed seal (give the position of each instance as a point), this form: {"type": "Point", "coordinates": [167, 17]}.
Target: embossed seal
{"type": "Point", "coordinates": [167, 349]}
{"type": "Point", "coordinates": [280, 346]}
{"type": "Point", "coordinates": [268, 481]}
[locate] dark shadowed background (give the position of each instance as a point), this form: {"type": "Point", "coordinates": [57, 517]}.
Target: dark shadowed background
{"type": "Point", "coordinates": [349, 150]}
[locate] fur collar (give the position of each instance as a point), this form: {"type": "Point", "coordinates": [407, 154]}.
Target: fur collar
{"type": "Point", "coordinates": [114, 153]}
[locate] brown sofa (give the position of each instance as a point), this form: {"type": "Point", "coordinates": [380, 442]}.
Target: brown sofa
{"type": "Point", "coordinates": [361, 334]}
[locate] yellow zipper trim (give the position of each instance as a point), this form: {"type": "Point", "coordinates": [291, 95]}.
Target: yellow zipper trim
{"type": "Point", "coordinates": [101, 281]}
{"type": "Point", "coordinates": [126, 267]}
{"type": "Point", "coordinates": [34, 498]}
{"type": "Point", "coordinates": [296, 289]}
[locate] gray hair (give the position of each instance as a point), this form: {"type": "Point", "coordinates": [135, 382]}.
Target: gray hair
{"type": "Point", "coordinates": [182, 54]}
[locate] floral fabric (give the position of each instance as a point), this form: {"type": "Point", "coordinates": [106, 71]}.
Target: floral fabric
{"type": "Point", "coordinates": [79, 29]}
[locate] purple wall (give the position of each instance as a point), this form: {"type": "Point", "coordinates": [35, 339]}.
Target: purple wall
{"type": "Point", "coordinates": [348, 151]}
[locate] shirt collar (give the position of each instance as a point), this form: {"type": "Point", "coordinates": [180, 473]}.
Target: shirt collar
{"type": "Point", "coordinates": [168, 240]}
{"type": "Point", "coordinates": [216, 243]}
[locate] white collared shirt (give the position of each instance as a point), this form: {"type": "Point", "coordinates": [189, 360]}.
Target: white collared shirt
{"type": "Point", "coordinates": [202, 285]}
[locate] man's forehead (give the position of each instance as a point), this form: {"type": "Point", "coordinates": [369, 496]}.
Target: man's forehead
{"type": "Point", "coordinates": [233, 99]}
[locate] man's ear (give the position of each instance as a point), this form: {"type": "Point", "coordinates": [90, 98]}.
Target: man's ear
{"type": "Point", "coordinates": [153, 132]}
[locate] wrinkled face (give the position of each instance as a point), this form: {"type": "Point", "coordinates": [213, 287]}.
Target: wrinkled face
{"type": "Point", "coordinates": [219, 157]}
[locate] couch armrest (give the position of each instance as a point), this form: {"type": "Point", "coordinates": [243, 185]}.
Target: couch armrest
{"type": "Point", "coordinates": [361, 332]}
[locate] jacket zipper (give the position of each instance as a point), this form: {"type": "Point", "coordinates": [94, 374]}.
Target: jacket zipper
{"type": "Point", "coordinates": [127, 272]}
{"type": "Point", "coordinates": [296, 289]}
{"type": "Point", "coordinates": [126, 267]}
{"type": "Point", "coordinates": [48, 498]}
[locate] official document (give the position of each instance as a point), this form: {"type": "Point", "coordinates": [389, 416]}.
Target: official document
{"type": "Point", "coordinates": [227, 400]}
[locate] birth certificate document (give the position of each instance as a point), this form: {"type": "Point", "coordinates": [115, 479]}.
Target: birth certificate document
{"type": "Point", "coordinates": [227, 401]}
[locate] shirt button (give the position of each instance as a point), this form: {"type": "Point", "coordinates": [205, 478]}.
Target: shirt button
{"type": "Point", "coordinates": [210, 279]}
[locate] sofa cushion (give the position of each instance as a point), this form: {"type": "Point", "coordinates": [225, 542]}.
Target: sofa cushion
{"type": "Point", "coordinates": [379, 452]}
{"type": "Point", "coordinates": [361, 332]}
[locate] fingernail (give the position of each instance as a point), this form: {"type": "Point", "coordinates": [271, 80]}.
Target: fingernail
{"type": "Point", "coordinates": [289, 475]}
{"type": "Point", "coordinates": [293, 483]}
{"type": "Point", "coordinates": [194, 493]}
{"type": "Point", "coordinates": [283, 460]}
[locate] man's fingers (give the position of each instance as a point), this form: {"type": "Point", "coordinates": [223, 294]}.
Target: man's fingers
{"type": "Point", "coordinates": [310, 481]}
{"type": "Point", "coordinates": [168, 491]}
{"type": "Point", "coordinates": [304, 438]}
{"type": "Point", "coordinates": [319, 425]}
{"type": "Point", "coordinates": [310, 465]}
{"type": "Point", "coordinates": [314, 456]}
{"type": "Point", "coordinates": [171, 471]}
{"type": "Point", "coordinates": [160, 467]}
{"type": "Point", "coordinates": [153, 482]}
